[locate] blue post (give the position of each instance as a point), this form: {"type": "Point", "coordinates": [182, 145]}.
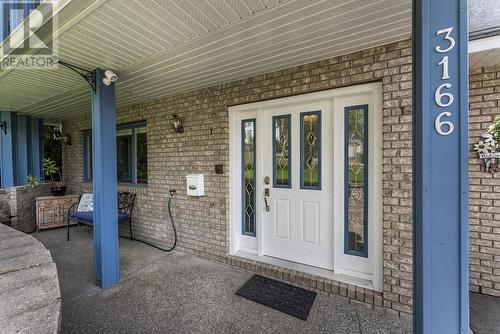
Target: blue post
{"type": "Point", "coordinates": [3, 20]}
{"type": "Point", "coordinates": [16, 13]}
{"type": "Point", "coordinates": [106, 247]}
{"type": "Point", "coordinates": [36, 146]}
{"type": "Point", "coordinates": [28, 7]}
{"type": "Point", "coordinates": [440, 153]}
{"type": "Point", "coordinates": [22, 148]}
{"type": "Point", "coordinates": [7, 149]}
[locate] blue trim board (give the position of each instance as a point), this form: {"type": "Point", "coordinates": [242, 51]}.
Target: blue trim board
{"type": "Point", "coordinates": [364, 252]}
{"type": "Point", "coordinates": [275, 118]}
{"type": "Point", "coordinates": [440, 170]}
{"type": "Point", "coordinates": [36, 147]}
{"type": "Point", "coordinates": [22, 150]}
{"type": "Point", "coordinates": [302, 114]}
{"type": "Point", "coordinates": [243, 202]}
{"type": "Point", "coordinates": [7, 151]}
{"type": "Point", "coordinates": [105, 185]}
{"type": "Point", "coordinates": [3, 20]}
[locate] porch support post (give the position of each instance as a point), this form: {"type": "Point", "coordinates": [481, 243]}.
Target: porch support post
{"type": "Point", "coordinates": [106, 247]}
{"type": "Point", "coordinates": [440, 153]}
{"type": "Point", "coordinates": [36, 147]}
{"type": "Point", "coordinates": [3, 20]}
{"type": "Point", "coordinates": [7, 149]}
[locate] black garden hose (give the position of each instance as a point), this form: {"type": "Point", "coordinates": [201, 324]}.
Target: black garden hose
{"type": "Point", "coordinates": [172, 192]}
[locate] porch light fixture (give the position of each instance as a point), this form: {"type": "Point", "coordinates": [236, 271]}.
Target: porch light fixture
{"type": "Point", "coordinates": [177, 124]}
{"type": "Point", "coordinates": [3, 126]}
{"type": "Point", "coordinates": [109, 77]}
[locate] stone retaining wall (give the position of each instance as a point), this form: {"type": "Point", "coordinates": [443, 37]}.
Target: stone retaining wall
{"type": "Point", "coordinates": [30, 298]}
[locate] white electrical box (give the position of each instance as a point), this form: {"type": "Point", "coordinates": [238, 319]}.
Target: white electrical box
{"type": "Point", "coordinates": [195, 185]}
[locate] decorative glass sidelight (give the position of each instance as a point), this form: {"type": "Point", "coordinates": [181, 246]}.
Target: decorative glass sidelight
{"type": "Point", "coordinates": [356, 180]}
{"type": "Point", "coordinates": [248, 176]}
{"type": "Point", "coordinates": [282, 167]}
{"type": "Point", "coordinates": [310, 150]}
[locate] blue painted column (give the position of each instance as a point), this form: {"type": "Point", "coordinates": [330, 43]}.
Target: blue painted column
{"type": "Point", "coordinates": [3, 20]}
{"type": "Point", "coordinates": [7, 149]}
{"type": "Point", "coordinates": [23, 143]}
{"type": "Point", "coordinates": [440, 152]}
{"type": "Point", "coordinates": [16, 13]}
{"type": "Point", "coordinates": [36, 147]}
{"type": "Point", "coordinates": [106, 247]}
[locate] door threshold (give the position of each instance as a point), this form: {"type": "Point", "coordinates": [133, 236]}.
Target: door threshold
{"type": "Point", "coordinates": [311, 270]}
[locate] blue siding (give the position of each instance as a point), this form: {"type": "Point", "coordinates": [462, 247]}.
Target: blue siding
{"type": "Point", "coordinates": [22, 150]}
{"type": "Point", "coordinates": [7, 151]}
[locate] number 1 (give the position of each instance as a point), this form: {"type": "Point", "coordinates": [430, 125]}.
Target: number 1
{"type": "Point", "coordinates": [444, 62]}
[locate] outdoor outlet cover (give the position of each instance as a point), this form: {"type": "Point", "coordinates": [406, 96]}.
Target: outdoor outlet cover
{"type": "Point", "coordinates": [219, 169]}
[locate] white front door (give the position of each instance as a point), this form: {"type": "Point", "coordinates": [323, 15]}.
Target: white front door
{"type": "Point", "coordinates": [297, 225]}
{"type": "Point", "coordinates": [306, 180]}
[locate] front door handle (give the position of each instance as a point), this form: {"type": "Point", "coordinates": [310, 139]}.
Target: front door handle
{"type": "Point", "coordinates": [266, 195]}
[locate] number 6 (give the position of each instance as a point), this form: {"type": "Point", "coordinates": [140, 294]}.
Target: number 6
{"type": "Point", "coordinates": [439, 125]}
{"type": "Point", "coordinates": [438, 96]}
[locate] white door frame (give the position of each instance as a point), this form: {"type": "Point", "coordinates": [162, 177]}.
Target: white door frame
{"type": "Point", "coordinates": [245, 111]}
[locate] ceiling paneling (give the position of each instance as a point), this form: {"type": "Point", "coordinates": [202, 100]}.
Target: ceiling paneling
{"type": "Point", "coordinates": [166, 47]}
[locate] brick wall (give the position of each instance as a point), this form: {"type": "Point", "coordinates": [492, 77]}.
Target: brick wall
{"type": "Point", "coordinates": [484, 106]}
{"type": "Point", "coordinates": [203, 223]}
{"type": "Point", "coordinates": [20, 202]}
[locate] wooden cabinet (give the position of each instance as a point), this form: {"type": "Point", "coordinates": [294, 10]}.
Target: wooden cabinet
{"type": "Point", "coordinates": [52, 211]}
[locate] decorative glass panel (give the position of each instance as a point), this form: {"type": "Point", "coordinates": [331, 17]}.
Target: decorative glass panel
{"type": "Point", "coordinates": [356, 159]}
{"type": "Point", "coordinates": [248, 171]}
{"type": "Point", "coordinates": [281, 152]}
{"type": "Point", "coordinates": [310, 133]}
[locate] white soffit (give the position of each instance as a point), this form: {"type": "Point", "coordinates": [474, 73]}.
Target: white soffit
{"type": "Point", "coordinates": [166, 47]}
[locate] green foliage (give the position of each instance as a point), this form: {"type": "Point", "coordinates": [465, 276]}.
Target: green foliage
{"type": "Point", "coordinates": [33, 181]}
{"type": "Point", "coordinates": [52, 143]}
{"type": "Point", "coordinates": [50, 169]}
{"type": "Point", "coordinates": [494, 128]}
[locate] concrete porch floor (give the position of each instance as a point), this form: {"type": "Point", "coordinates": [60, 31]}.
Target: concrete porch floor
{"type": "Point", "coordinates": [181, 293]}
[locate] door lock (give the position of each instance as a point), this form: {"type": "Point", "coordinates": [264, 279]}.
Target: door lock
{"type": "Point", "coordinates": [266, 196]}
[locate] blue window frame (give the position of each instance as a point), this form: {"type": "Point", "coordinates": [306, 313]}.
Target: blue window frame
{"type": "Point", "coordinates": [282, 151]}
{"type": "Point", "coordinates": [310, 150]}
{"type": "Point", "coordinates": [248, 173]}
{"type": "Point", "coordinates": [356, 181]}
{"type": "Point", "coordinates": [131, 147]}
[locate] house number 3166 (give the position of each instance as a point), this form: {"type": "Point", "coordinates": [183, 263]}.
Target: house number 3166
{"type": "Point", "coordinates": [443, 98]}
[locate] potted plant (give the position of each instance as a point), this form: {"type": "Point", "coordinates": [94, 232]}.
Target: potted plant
{"type": "Point", "coordinates": [51, 170]}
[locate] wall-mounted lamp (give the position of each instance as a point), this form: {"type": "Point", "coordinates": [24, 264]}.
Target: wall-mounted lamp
{"type": "Point", "coordinates": [109, 77]}
{"type": "Point", "coordinates": [66, 139]}
{"type": "Point", "coordinates": [3, 126]}
{"type": "Point", "coordinates": [177, 123]}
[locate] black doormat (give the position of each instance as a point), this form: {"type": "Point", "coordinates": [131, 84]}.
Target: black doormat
{"type": "Point", "coordinates": [280, 296]}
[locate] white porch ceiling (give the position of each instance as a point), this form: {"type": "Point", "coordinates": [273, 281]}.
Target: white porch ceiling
{"type": "Point", "coordinates": [165, 47]}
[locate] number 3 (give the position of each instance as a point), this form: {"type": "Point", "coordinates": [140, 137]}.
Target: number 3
{"type": "Point", "coordinates": [446, 37]}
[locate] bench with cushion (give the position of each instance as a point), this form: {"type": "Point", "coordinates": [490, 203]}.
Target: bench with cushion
{"type": "Point", "coordinates": [83, 211]}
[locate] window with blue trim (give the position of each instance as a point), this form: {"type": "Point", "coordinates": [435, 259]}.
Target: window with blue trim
{"type": "Point", "coordinates": [282, 167]}
{"type": "Point", "coordinates": [131, 149]}
{"type": "Point", "coordinates": [310, 150]}
{"type": "Point", "coordinates": [356, 180]}
{"type": "Point", "coordinates": [248, 176]}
